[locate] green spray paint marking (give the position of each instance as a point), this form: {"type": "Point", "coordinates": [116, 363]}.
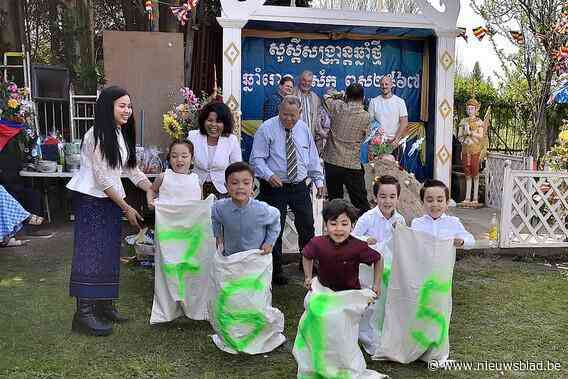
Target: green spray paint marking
{"type": "Point", "coordinates": [386, 276]}
{"type": "Point", "coordinates": [425, 312]}
{"type": "Point", "coordinates": [383, 298]}
{"type": "Point", "coordinates": [227, 319]}
{"type": "Point", "coordinates": [188, 265]}
{"type": "Point", "coordinates": [312, 328]}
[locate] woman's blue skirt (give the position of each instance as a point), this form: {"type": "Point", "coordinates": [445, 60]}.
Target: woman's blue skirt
{"type": "Point", "coordinates": [95, 269]}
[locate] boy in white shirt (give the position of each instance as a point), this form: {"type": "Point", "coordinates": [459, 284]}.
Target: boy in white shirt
{"type": "Point", "coordinates": [435, 196]}
{"type": "Point", "coordinates": [377, 224]}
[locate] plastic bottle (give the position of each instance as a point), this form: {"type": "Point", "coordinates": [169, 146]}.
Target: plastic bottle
{"type": "Point", "coordinates": [494, 231]}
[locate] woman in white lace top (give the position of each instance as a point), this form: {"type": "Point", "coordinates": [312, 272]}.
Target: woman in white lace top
{"type": "Point", "coordinates": [107, 151]}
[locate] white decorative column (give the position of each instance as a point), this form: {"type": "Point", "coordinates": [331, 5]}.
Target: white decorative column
{"type": "Point", "coordinates": [445, 68]}
{"type": "Point", "coordinates": [232, 54]}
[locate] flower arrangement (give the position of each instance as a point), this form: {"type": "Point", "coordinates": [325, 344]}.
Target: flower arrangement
{"type": "Point", "coordinates": [14, 105]}
{"type": "Point", "coordinates": [378, 145]}
{"type": "Point", "coordinates": [17, 109]}
{"type": "Point", "coordinates": [182, 118]}
{"type": "Point", "coordinates": [557, 156]}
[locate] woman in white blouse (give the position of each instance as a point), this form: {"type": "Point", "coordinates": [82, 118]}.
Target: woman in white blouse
{"type": "Point", "coordinates": [107, 150]}
{"type": "Point", "coordinates": [216, 147]}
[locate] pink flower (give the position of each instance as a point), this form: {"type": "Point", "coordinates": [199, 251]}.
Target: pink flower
{"type": "Point", "coordinates": [376, 140]}
{"type": "Point", "coordinates": [184, 91]}
{"type": "Point", "coordinates": [13, 88]}
{"type": "Point", "coordinates": [188, 95]}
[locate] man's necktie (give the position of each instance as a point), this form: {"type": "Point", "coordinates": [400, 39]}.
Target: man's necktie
{"type": "Point", "coordinates": [291, 158]}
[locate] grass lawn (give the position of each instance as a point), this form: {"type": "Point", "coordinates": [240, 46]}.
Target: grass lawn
{"type": "Point", "coordinates": [503, 311]}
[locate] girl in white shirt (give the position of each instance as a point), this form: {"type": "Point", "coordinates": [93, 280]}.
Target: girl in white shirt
{"type": "Point", "coordinates": [216, 147]}
{"type": "Point", "coordinates": [107, 151]}
{"type": "Point", "coordinates": [177, 185]}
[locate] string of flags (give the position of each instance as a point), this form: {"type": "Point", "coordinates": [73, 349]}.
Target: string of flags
{"type": "Point", "coordinates": [518, 37]}
{"type": "Point", "coordinates": [182, 12]}
{"type": "Point", "coordinates": [559, 55]}
{"type": "Point", "coordinates": [480, 32]}
{"type": "Point", "coordinates": [463, 33]}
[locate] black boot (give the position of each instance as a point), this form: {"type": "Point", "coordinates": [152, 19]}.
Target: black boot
{"type": "Point", "coordinates": [107, 310]}
{"type": "Point", "coordinates": [86, 321]}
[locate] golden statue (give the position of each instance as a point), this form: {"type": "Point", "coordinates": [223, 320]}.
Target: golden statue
{"type": "Point", "coordinates": [472, 133]}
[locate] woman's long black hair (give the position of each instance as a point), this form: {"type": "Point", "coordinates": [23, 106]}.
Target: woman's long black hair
{"type": "Point", "coordinates": [105, 129]}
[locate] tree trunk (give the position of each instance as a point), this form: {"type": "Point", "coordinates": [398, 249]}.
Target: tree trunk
{"type": "Point", "coordinates": [133, 11]}
{"type": "Point", "coordinates": [168, 22]}
{"type": "Point", "coordinates": [55, 33]}
{"type": "Point", "coordinates": [11, 38]}
{"type": "Point", "coordinates": [188, 56]}
{"type": "Point", "coordinates": [80, 14]}
{"type": "Point", "coordinates": [539, 143]}
{"type": "Point", "coordinates": [86, 34]}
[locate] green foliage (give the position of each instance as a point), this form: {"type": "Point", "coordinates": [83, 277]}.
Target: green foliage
{"type": "Point", "coordinates": [510, 116]}
{"type": "Point", "coordinates": [88, 77]}
{"type": "Point", "coordinates": [485, 93]}
{"type": "Point", "coordinates": [557, 156]}
{"type": "Point", "coordinates": [530, 69]}
{"type": "Point", "coordinates": [476, 73]}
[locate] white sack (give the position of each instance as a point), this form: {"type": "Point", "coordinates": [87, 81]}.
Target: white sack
{"type": "Point", "coordinates": [326, 344]}
{"type": "Point", "coordinates": [371, 326]}
{"type": "Point", "coordinates": [419, 299]}
{"type": "Point", "coordinates": [241, 305]}
{"type": "Point", "coordinates": [184, 250]}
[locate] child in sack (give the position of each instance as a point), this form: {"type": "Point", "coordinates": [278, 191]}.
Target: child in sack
{"type": "Point", "coordinates": [338, 253]}
{"type": "Point", "coordinates": [177, 185]}
{"type": "Point", "coordinates": [377, 224]}
{"type": "Point", "coordinates": [435, 196]}
{"type": "Point", "coordinates": [239, 222]}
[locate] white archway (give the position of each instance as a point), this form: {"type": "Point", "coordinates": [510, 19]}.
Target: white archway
{"type": "Point", "coordinates": [440, 18]}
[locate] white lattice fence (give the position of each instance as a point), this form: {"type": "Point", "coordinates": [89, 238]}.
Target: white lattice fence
{"type": "Point", "coordinates": [535, 209]}
{"type": "Point", "coordinates": [494, 171]}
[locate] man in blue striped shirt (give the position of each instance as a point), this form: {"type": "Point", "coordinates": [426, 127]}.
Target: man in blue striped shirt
{"type": "Point", "coordinates": [284, 155]}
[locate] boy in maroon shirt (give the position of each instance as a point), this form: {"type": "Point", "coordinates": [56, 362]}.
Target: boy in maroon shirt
{"type": "Point", "coordinates": [338, 253]}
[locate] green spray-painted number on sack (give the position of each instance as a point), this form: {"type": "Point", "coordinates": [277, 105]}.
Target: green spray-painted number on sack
{"type": "Point", "coordinates": [194, 237]}
{"type": "Point", "coordinates": [386, 276]}
{"type": "Point", "coordinates": [425, 312]}
{"type": "Point", "coordinates": [227, 319]}
{"type": "Point", "coordinates": [312, 330]}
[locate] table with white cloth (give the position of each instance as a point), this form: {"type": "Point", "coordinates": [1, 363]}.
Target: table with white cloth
{"type": "Point", "coordinates": [56, 176]}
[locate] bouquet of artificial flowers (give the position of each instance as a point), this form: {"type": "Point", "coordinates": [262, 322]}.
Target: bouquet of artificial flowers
{"type": "Point", "coordinates": [182, 118]}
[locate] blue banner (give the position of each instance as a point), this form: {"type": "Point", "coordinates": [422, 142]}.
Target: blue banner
{"type": "Point", "coordinates": [335, 63]}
